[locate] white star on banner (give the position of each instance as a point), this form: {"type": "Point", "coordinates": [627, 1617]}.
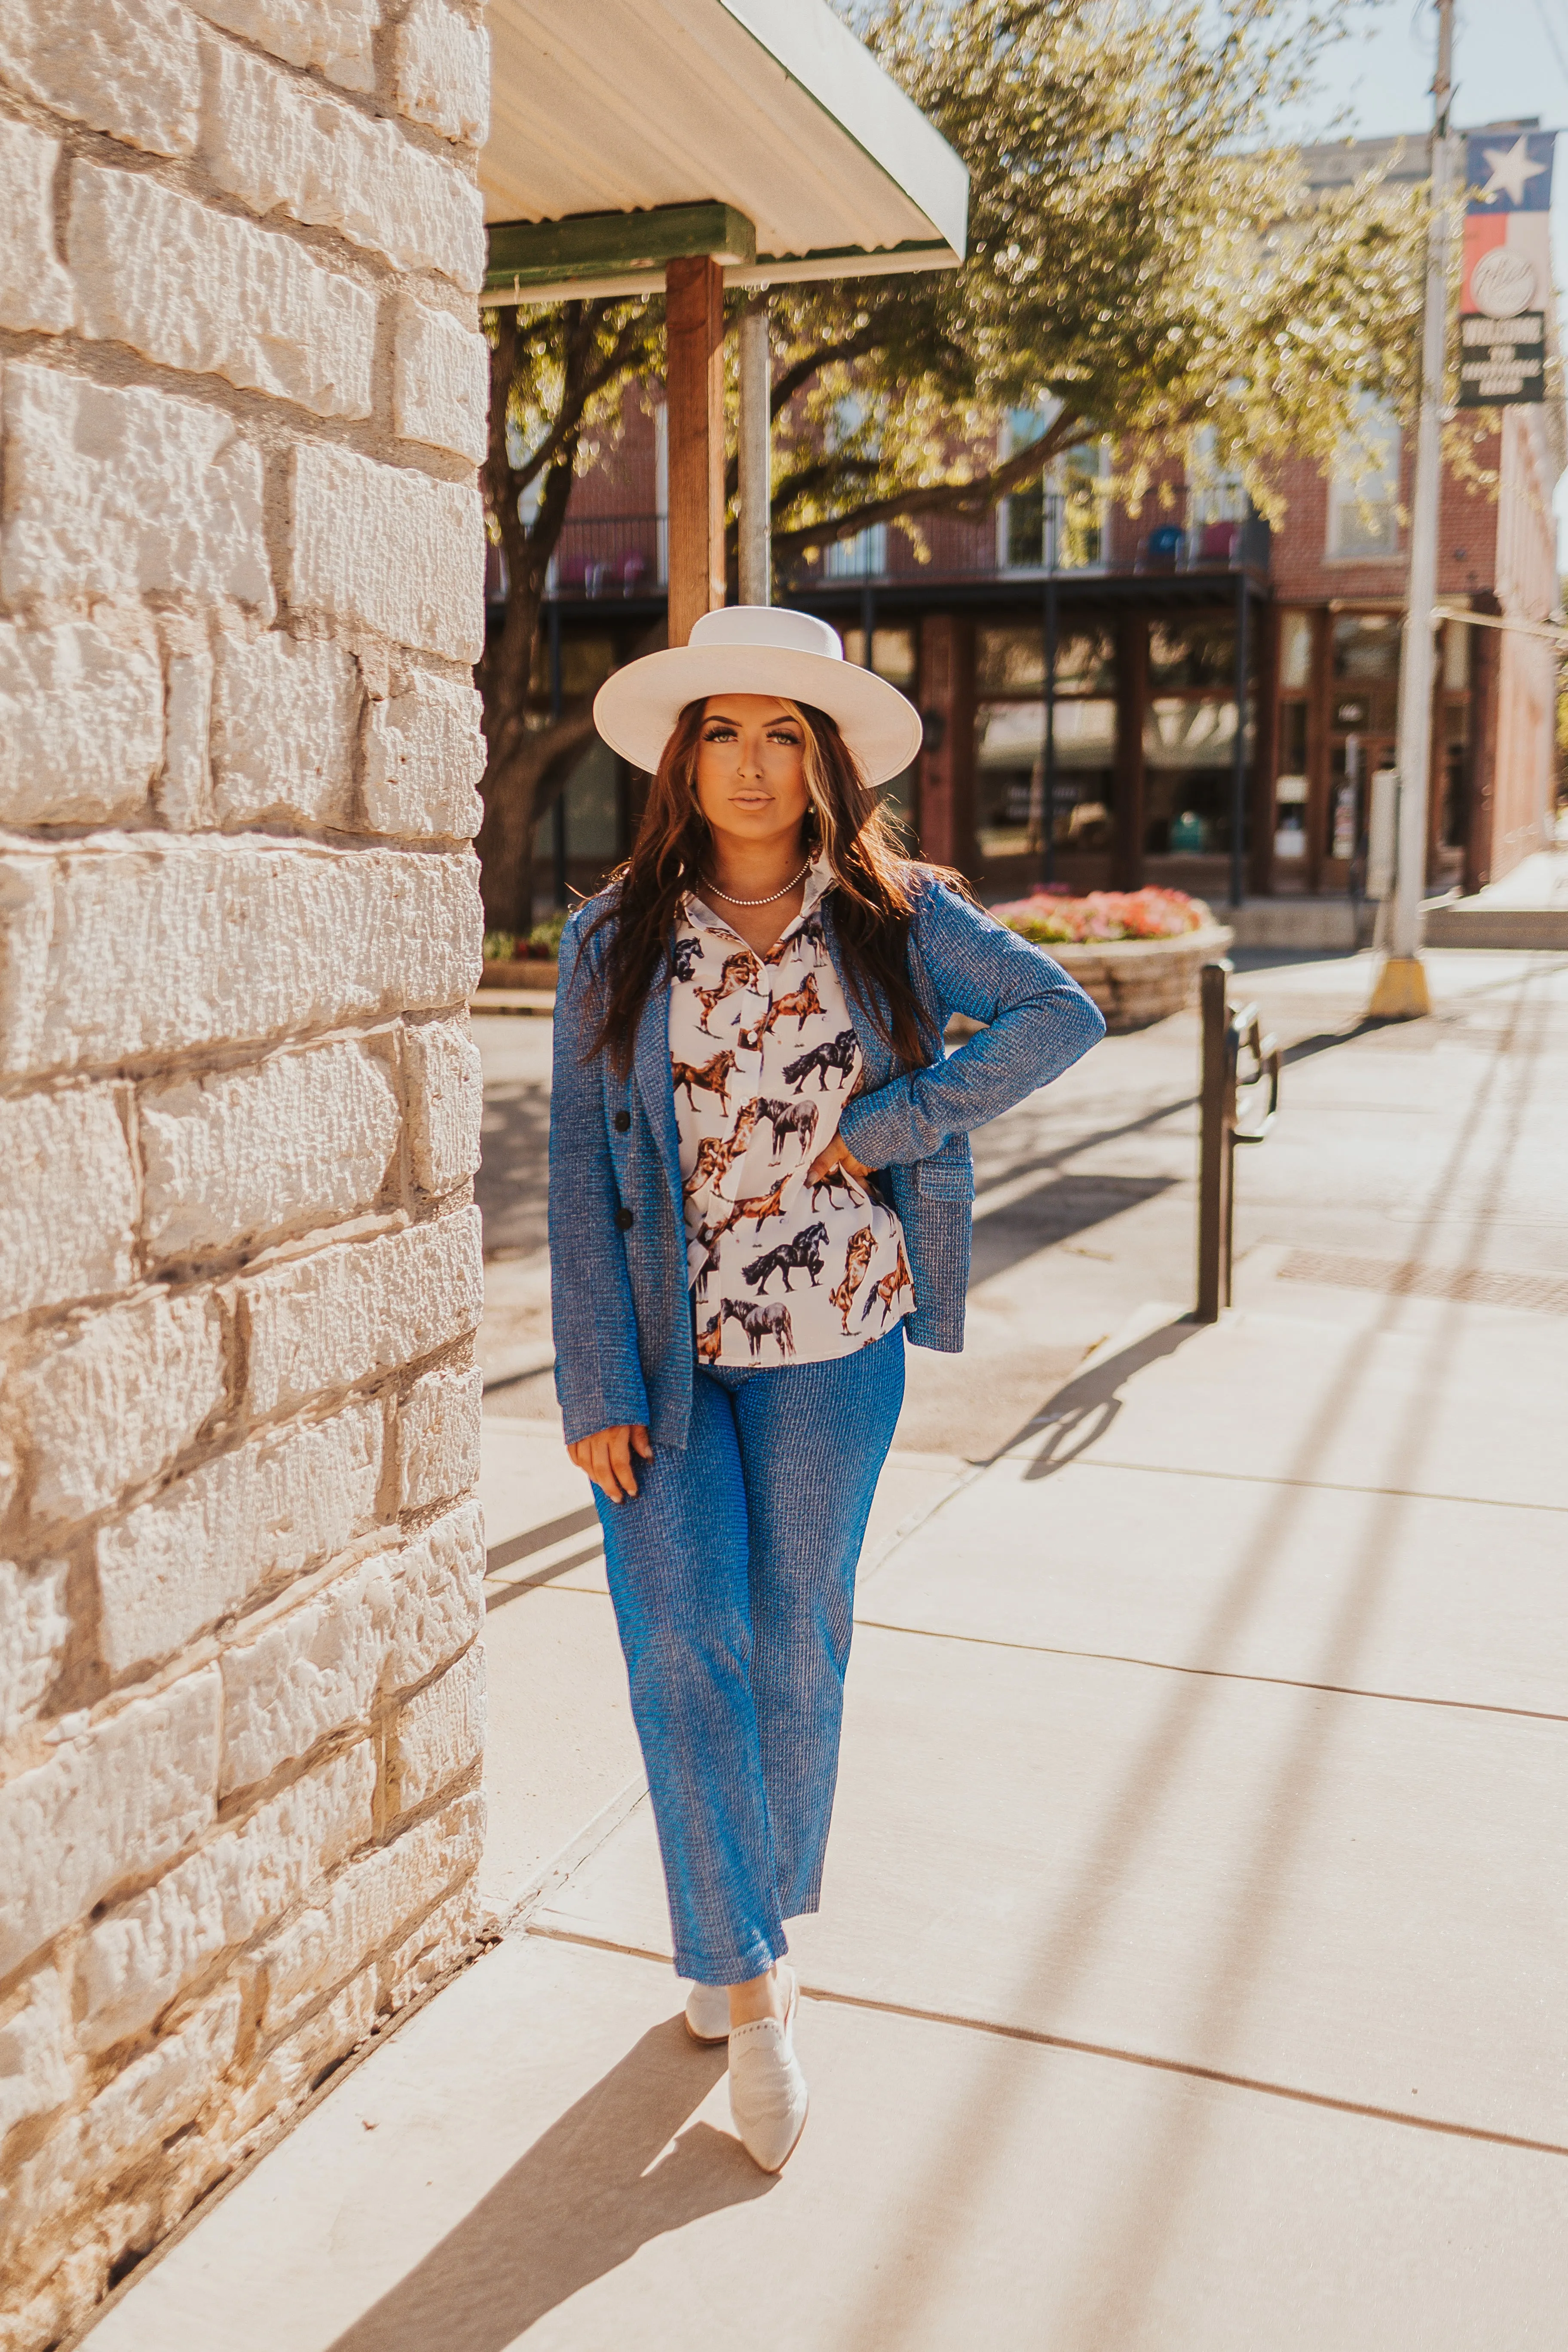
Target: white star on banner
{"type": "Point", "coordinates": [1512, 167]}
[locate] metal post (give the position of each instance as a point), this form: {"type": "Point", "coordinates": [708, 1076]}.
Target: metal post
{"type": "Point", "coordinates": [756, 434]}
{"type": "Point", "coordinates": [1238, 751]}
{"type": "Point", "coordinates": [1401, 992]}
{"type": "Point", "coordinates": [1050, 776]}
{"type": "Point", "coordinates": [558, 806]}
{"type": "Point", "coordinates": [1215, 1157]}
{"type": "Point", "coordinates": [868, 625]}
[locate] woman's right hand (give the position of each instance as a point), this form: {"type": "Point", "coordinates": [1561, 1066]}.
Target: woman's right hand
{"type": "Point", "coordinates": [606, 1456]}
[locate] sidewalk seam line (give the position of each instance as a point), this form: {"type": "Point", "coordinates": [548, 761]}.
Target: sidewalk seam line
{"type": "Point", "coordinates": [1265, 1479]}
{"type": "Point", "coordinates": [1041, 2040]}
{"type": "Point", "coordinates": [1214, 1673]}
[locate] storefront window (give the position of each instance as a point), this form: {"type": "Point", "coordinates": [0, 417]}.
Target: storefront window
{"type": "Point", "coordinates": [1010, 775]}
{"type": "Point", "coordinates": [1295, 652]}
{"type": "Point", "coordinates": [1290, 784]}
{"type": "Point", "coordinates": [893, 652]}
{"type": "Point", "coordinates": [1191, 653]}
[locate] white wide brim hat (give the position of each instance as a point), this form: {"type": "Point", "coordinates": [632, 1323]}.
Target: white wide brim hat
{"type": "Point", "coordinates": [758, 649]}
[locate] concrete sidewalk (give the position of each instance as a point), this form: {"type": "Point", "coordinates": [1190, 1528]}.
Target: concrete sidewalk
{"type": "Point", "coordinates": [1193, 1968]}
{"type": "Point", "coordinates": [1192, 1972]}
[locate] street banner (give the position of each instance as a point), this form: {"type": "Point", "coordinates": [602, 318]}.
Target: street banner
{"type": "Point", "coordinates": [1507, 284]}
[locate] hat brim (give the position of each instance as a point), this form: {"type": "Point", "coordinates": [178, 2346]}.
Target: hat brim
{"type": "Point", "coordinates": [636, 709]}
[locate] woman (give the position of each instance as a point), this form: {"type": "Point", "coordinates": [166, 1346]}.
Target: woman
{"type": "Point", "coordinates": [750, 1024]}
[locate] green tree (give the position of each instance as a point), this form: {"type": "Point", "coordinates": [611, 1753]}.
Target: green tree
{"type": "Point", "coordinates": [559, 376]}
{"type": "Point", "coordinates": [1140, 267]}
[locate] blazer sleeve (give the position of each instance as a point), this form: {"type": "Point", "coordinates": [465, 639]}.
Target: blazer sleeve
{"type": "Point", "coordinates": [598, 1369]}
{"type": "Point", "coordinates": [1038, 1023]}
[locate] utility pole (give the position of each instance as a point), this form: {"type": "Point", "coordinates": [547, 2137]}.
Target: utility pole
{"type": "Point", "coordinates": [1401, 992]}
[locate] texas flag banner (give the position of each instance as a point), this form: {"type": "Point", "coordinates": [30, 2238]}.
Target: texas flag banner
{"type": "Point", "coordinates": [1507, 284]}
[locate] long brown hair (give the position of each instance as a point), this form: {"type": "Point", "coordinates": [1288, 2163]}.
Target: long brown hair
{"type": "Point", "coordinates": [873, 903]}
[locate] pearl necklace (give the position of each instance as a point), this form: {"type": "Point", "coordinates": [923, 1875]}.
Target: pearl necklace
{"type": "Point", "coordinates": [772, 898]}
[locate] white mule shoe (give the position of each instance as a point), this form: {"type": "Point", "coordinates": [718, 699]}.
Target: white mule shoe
{"type": "Point", "coordinates": [708, 2013]}
{"type": "Point", "coordinates": [767, 2089]}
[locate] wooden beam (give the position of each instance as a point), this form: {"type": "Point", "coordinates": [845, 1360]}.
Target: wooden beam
{"type": "Point", "coordinates": [608, 245]}
{"type": "Point", "coordinates": [694, 323]}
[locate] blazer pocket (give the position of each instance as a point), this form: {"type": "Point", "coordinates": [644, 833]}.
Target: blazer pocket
{"type": "Point", "coordinates": [948, 1175]}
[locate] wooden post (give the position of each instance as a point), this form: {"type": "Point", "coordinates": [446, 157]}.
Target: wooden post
{"type": "Point", "coordinates": [694, 314]}
{"type": "Point", "coordinates": [946, 765]}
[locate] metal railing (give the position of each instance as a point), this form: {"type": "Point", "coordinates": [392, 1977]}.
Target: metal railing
{"type": "Point", "coordinates": [1230, 1033]}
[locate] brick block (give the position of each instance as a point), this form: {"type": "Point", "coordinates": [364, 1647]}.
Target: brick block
{"type": "Point", "coordinates": [127, 67]}
{"type": "Point", "coordinates": [123, 493]}
{"type": "Point", "coordinates": [292, 2069]}
{"type": "Point", "coordinates": [120, 1802]}
{"type": "Point", "coordinates": [440, 1943]}
{"type": "Point", "coordinates": [356, 1308]}
{"type": "Point", "coordinates": [67, 1213]}
{"type": "Point", "coordinates": [34, 291]}
{"type": "Point", "coordinates": [235, 1155]}
{"type": "Point", "coordinates": [133, 1963]}
{"type": "Point", "coordinates": [286, 1502]}
{"type": "Point", "coordinates": [286, 722]}
{"type": "Point", "coordinates": [184, 792]}
{"type": "Point", "coordinates": [382, 549]}
{"type": "Point", "coordinates": [35, 2073]}
{"type": "Point", "coordinates": [423, 757]}
{"type": "Point", "coordinates": [280, 147]}
{"type": "Point", "coordinates": [114, 1400]}
{"type": "Point", "coordinates": [368, 1906]}
{"type": "Point", "coordinates": [438, 1429]}
{"type": "Point", "coordinates": [109, 954]}
{"type": "Point", "coordinates": [446, 1101]}
{"type": "Point", "coordinates": [34, 1631]}
{"type": "Point", "coordinates": [440, 380]}
{"type": "Point", "coordinates": [332, 35]}
{"type": "Point", "coordinates": [311, 1672]}
{"type": "Point", "coordinates": [441, 72]}
{"type": "Point", "coordinates": [438, 1734]}
{"type": "Point", "coordinates": [441, 1597]}
{"type": "Point", "coordinates": [81, 722]}
{"type": "Point", "coordinates": [191, 288]}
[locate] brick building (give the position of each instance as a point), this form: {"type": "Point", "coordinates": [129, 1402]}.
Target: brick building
{"type": "Point", "coordinates": [1137, 756]}
{"type": "Point", "coordinates": [240, 1564]}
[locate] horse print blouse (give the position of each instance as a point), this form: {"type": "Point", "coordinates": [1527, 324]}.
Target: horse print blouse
{"type": "Point", "coordinates": [763, 1059]}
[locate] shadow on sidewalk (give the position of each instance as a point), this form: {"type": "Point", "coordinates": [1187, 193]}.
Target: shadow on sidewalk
{"type": "Point", "coordinates": [579, 2204]}
{"type": "Point", "coordinates": [1079, 1414]}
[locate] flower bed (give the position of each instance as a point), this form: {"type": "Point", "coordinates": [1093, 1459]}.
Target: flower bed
{"type": "Point", "coordinates": [1051, 914]}
{"type": "Point", "coordinates": [1137, 953]}
{"type": "Point", "coordinates": [523, 958]}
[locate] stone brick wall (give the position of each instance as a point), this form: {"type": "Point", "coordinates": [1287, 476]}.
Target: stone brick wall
{"type": "Point", "coordinates": [242, 393]}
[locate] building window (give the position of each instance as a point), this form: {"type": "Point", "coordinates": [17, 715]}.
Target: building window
{"type": "Point", "coordinates": [1189, 737]}
{"type": "Point", "coordinates": [1075, 505]}
{"type": "Point", "coordinates": [863, 557]}
{"type": "Point", "coordinates": [1363, 490]}
{"type": "Point", "coordinates": [1290, 778]}
{"type": "Point", "coordinates": [892, 654]}
{"type": "Point", "coordinates": [1010, 741]}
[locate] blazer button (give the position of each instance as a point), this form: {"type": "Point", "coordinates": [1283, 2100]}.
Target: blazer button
{"type": "Point", "coordinates": [623, 1122]}
{"type": "Point", "coordinates": [624, 1219]}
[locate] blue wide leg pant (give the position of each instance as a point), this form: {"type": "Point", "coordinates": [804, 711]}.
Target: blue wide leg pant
{"type": "Point", "coordinates": [733, 1573]}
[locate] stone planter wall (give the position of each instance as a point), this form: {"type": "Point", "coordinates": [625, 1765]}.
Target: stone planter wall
{"type": "Point", "coordinates": [519, 971]}
{"type": "Point", "coordinates": [1135, 981]}
{"type": "Point", "coordinates": [241, 555]}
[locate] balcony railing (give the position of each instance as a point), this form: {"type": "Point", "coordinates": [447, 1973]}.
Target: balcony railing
{"type": "Point", "coordinates": [610, 557]}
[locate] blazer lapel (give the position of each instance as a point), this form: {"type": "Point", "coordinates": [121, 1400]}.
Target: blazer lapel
{"type": "Point", "coordinates": [650, 1060]}
{"type": "Point", "coordinates": [876, 1060]}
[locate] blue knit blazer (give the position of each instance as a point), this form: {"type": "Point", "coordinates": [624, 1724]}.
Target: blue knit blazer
{"type": "Point", "coordinates": [624, 1348]}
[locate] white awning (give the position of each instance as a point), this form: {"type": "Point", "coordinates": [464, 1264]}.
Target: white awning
{"type": "Point", "coordinates": [769, 107]}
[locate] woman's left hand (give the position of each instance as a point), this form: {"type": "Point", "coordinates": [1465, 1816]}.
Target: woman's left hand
{"type": "Point", "coordinates": [835, 1154]}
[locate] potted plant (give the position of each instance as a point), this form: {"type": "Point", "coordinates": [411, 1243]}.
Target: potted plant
{"type": "Point", "coordinates": [1137, 952]}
